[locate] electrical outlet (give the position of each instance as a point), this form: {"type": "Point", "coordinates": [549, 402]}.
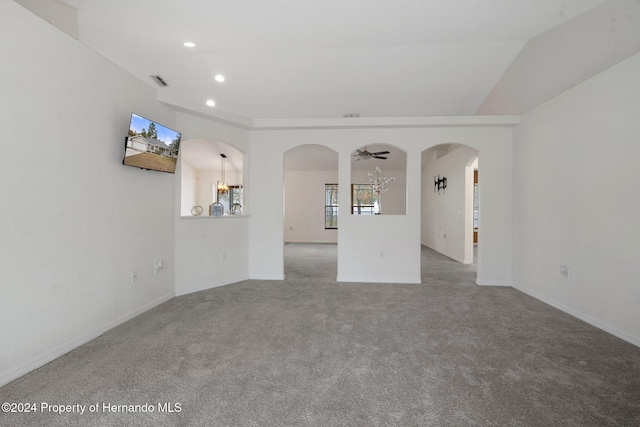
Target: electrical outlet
{"type": "Point", "coordinates": [223, 256]}
{"type": "Point", "coordinates": [134, 276]}
{"type": "Point", "coordinates": [381, 254]}
{"type": "Point", "coordinates": [158, 267]}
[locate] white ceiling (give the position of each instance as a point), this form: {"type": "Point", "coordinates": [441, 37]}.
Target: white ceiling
{"type": "Point", "coordinates": [204, 155]}
{"type": "Point", "coordinates": [322, 59]}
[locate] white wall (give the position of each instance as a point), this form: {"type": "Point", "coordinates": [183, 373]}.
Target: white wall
{"type": "Point", "coordinates": [305, 206]}
{"type": "Point", "coordinates": [576, 201]}
{"type": "Point", "coordinates": [445, 214]}
{"type": "Point", "coordinates": [74, 222]}
{"type": "Point", "coordinates": [210, 252]}
{"type": "Point", "coordinates": [189, 189]}
{"type": "Point", "coordinates": [393, 253]}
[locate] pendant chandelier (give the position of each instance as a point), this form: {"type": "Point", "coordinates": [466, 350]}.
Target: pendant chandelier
{"type": "Point", "coordinates": [222, 185]}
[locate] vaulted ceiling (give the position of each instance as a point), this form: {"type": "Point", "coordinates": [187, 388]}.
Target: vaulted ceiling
{"type": "Point", "coordinates": [287, 59]}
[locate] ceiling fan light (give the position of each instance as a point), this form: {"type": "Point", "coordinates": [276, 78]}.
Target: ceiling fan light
{"type": "Point", "coordinates": [366, 155]}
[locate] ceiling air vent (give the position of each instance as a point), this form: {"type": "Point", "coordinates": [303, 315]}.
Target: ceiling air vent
{"type": "Point", "coordinates": [159, 80]}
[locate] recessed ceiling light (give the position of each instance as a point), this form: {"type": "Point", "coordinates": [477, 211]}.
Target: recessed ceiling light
{"type": "Point", "coordinates": [211, 103]}
{"type": "Point", "coordinates": [219, 78]}
{"type": "Point", "coordinates": [190, 44]}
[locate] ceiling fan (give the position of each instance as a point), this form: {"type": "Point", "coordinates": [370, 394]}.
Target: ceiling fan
{"type": "Point", "coordinates": [366, 155]}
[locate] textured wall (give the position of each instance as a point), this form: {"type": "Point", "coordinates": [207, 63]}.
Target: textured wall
{"type": "Point", "coordinates": [74, 222]}
{"type": "Point", "coordinates": [576, 200]}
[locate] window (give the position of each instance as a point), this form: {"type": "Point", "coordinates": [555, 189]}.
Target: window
{"type": "Point", "coordinates": [330, 206]}
{"type": "Point", "coordinates": [475, 206]}
{"type": "Point", "coordinates": [230, 198]}
{"type": "Point", "coordinates": [364, 201]}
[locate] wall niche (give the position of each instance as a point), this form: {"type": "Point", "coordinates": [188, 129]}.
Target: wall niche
{"type": "Point", "coordinates": [377, 164]}
{"type": "Point", "coordinates": [204, 164]}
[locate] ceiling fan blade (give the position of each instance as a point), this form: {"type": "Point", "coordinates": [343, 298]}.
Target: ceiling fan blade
{"type": "Point", "coordinates": [381, 152]}
{"type": "Point", "coordinates": [379, 157]}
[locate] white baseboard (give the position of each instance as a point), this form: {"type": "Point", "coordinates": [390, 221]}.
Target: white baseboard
{"type": "Point", "coordinates": [323, 242]}
{"type": "Point", "coordinates": [579, 315]}
{"type": "Point", "coordinates": [492, 283]}
{"type": "Point", "coordinates": [206, 286]}
{"type": "Point", "coordinates": [377, 279]}
{"type": "Point", "coordinates": [48, 356]}
{"type": "Point", "coordinates": [267, 277]}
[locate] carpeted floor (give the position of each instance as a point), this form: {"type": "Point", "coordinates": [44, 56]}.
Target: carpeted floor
{"type": "Point", "coordinates": [308, 351]}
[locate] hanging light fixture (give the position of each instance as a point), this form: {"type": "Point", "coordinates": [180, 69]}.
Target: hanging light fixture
{"type": "Point", "coordinates": [222, 186]}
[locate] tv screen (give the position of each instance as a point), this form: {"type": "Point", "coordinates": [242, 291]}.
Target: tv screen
{"type": "Point", "coordinates": [150, 145]}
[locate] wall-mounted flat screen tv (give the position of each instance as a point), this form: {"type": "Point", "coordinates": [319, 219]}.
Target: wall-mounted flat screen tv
{"type": "Point", "coordinates": [150, 145]}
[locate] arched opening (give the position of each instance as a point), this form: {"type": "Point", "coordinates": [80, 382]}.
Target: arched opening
{"type": "Point", "coordinates": [378, 180]}
{"type": "Point", "coordinates": [447, 201]}
{"type": "Point", "coordinates": [205, 163]}
{"type": "Point", "coordinates": [311, 218]}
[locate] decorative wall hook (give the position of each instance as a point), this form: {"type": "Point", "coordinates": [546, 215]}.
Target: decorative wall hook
{"type": "Point", "coordinates": [439, 184]}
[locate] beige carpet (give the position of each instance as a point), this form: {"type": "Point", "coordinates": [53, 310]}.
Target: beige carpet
{"type": "Point", "coordinates": [308, 351]}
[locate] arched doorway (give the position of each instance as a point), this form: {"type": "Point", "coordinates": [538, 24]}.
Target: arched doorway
{"type": "Point", "coordinates": [447, 200]}
{"type": "Point", "coordinates": [311, 218]}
